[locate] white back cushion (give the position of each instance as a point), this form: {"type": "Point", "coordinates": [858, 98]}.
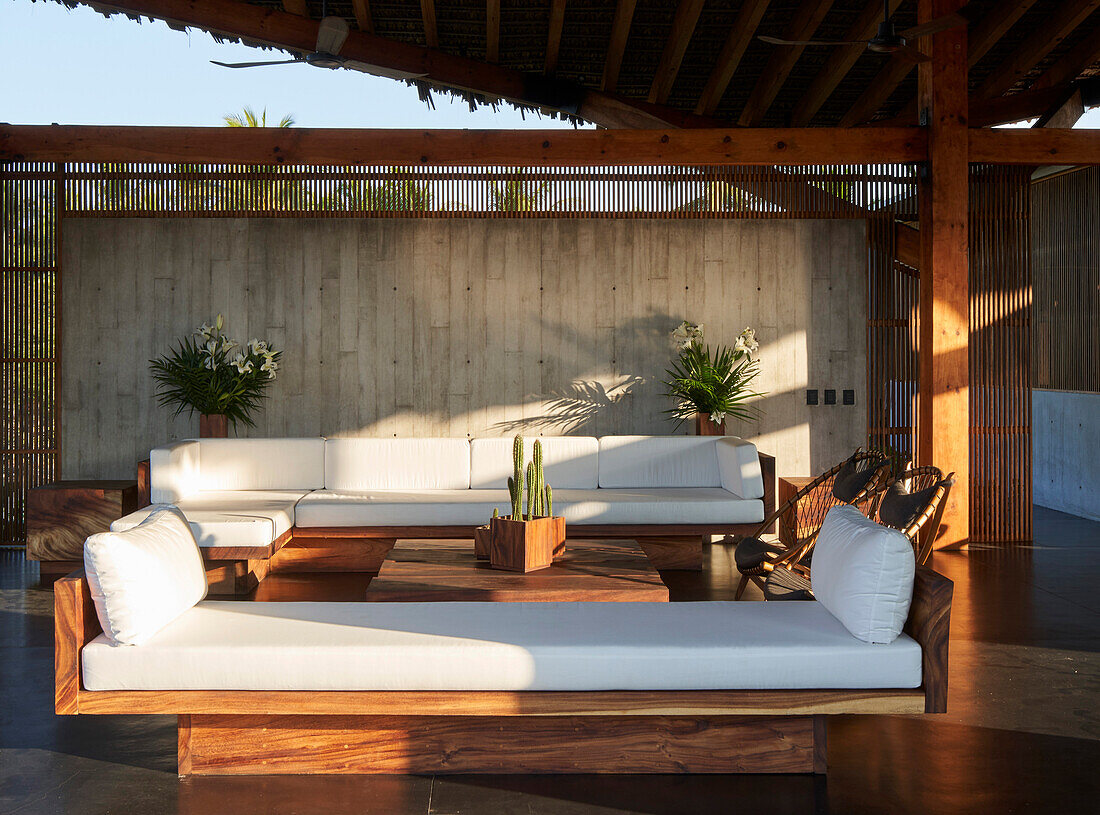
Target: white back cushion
{"type": "Point", "coordinates": [397, 464]}
{"type": "Point", "coordinates": [570, 462]}
{"type": "Point", "coordinates": [144, 578]}
{"type": "Point", "coordinates": [863, 574]}
{"type": "Point", "coordinates": [659, 461]}
{"type": "Point", "coordinates": [173, 472]}
{"type": "Point", "coordinates": [261, 464]}
{"type": "Point", "coordinates": [739, 467]}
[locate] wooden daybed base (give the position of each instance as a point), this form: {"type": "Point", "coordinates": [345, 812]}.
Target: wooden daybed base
{"type": "Point", "coordinates": [285, 732]}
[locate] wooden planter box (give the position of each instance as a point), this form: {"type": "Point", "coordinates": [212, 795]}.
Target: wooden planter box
{"type": "Point", "coordinates": [482, 537]}
{"type": "Point", "coordinates": [525, 546]}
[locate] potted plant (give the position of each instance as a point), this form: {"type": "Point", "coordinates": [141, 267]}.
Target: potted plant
{"type": "Point", "coordinates": [524, 542]}
{"type": "Point", "coordinates": [203, 375]}
{"type": "Point", "coordinates": [709, 386]}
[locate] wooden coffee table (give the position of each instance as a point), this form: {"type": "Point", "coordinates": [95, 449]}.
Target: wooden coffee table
{"type": "Point", "coordinates": [442, 570]}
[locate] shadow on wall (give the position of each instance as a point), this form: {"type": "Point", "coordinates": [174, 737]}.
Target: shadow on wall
{"type": "Point", "coordinates": [575, 408]}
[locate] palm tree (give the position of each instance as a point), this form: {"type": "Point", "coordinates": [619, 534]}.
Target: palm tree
{"type": "Point", "coordinates": [248, 118]}
{"type": "Point", "coordinates": [287, 194]}
{"type": "Point", "coordinates": [518, 195]}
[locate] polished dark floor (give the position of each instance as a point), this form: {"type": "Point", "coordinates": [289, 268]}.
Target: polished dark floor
{"type": "Point", "coordinates": [1022, 734]}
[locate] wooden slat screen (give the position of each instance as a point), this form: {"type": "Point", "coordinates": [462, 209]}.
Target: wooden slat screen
{"type": "Point", "coordinates": [29, 364]}
{"type": "Point", "coordinates": [880, 194]}
{"type": "Point", "coordinates": [1000, 354]}
{"type": "Point", "coordinates": [1065, 257]}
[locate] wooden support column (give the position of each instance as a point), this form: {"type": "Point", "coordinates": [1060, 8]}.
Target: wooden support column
{"type": "Point", "coordinates": [943, 436]}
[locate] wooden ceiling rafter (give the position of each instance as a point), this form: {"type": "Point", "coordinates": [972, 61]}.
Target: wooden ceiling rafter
{"type": "Point", "coordinates": [802, 26]}
{"type": "Point", "coordinates": [838, 65]}
{"type": "Point", "coordinates": [1052, 31]}
{"type": "Point", "coordinates": [431, 30]}
{"type": "Point", "coordinates": [1073, 63]}
{"type": "Point", "coordinates": [679, 37]}
{"type": "Point", "coordinates": [553, 38]}
{"type": "Point", "coordinates": [729, 58]}
{"type": "Point", "coordinates": [616, 44]}
{"type": "Point", "coordinates": [363, 18]}
{"type": "Point", "coordinates": [299, 7]}
{"type": "Point", "coordinates": [492, 31]}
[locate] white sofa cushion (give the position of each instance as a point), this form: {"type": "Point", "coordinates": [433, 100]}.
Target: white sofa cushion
{"type": "Point", "coordinates": [261, 464]}
{"type": "Point", "coordinates": [397, 464]}
{"type": "Point", "coordinates": [144, 578]}
{"type": "Point", "coordinates": [174, 472]}
{"type": "Point", "coordinates": [670, 505]}
{"type": "Point", "coordinates": [400, 508]}
{"type": "Point", "coordinates": [863, 574]}
{"type": "Point", "coordinates": [739, 467]}
{"type": "Point", "coordinates": [484, 646]}
{"type": "Point", "coordinates": [231, 518]}
{"type": "Point", "coordinates": [659, 461]}
{"type": "Point", "coordinates": [570, 462]}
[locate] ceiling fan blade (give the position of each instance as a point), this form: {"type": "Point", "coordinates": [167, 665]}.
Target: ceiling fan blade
{"type": "Point", "coordinates": [378, 70]}
{"type": "Point", "coordinates": [253, 64]}
{"type": "Point", "coordinates": [944, 23]}
{"type": "Point", "coordinates": [777, 41]}
{"type": "Point", "coordinates": [331, 34]}
{"type": "Point", "coordinates": [910, 53]}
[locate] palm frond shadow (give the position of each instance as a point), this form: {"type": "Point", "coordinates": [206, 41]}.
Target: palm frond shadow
{"type": "Point", "coordinates": [575, 407]}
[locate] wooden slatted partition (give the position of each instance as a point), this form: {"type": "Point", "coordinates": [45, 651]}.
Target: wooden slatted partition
{"type": "Point", "coordinates": [1000, 354]}
{"type": "Point", "coordinates": [29, 334]}
{"type": "Point", "coordinates": [1066, 260]}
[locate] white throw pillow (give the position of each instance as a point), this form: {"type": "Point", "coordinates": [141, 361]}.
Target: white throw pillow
{"type": "Point", "coordinates": [863, 574]}
{"type": "Point", "coordinates": [144, 578]}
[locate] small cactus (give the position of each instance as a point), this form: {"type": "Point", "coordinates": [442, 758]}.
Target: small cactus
{"type": "Point", "coordinates": [495, 513]}
{"type": "Point", "coordinates": [549, 501]}
{"type": "Point", "coordinates": [517, 477]}
{"type": "Point", "coordinates": [536, 461]}
{"type": "Point", "coordinates": [515, 491]}
{"type": "Point", "coordinates": [530, 490]}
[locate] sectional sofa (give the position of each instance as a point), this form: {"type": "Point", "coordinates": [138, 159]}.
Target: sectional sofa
{"type": "Point", "coordinates": [259, 504]}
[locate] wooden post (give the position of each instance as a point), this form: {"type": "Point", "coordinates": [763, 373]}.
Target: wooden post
{"type": "Point", "coordinates": [943, 437]}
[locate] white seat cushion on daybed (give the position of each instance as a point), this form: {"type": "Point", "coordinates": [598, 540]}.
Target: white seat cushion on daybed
{"type": "Point", "coordinates": [231, 518]}
{"type": "Point", "coordinates": [701, 505]}
{"type": "Point", "coordinates": [513, 647]}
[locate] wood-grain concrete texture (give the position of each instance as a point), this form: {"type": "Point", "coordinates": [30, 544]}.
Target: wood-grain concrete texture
{"type": "Point", "coordinates": [461, 327]}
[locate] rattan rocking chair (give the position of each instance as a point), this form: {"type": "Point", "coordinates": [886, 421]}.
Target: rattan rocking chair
{"type": "Point", "coordinates": [791, 579]}
{"type": "Point", "coordinates": [801, 516]}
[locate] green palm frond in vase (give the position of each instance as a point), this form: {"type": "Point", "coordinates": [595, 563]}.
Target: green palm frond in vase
{"type": "Point", "coordinates": [208, 373]}
{"type": "Point", "coordinates": [716, 383]}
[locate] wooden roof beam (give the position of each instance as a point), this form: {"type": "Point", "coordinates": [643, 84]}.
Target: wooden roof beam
{"type": "Point", "coordinates": [299, 7]}
{"type": "Point", "coordinates": [450, 148]}
{"type": "Point", "coordinates": [838, 65]}
{"type": "Point", "coordinates": [983, 36]}
{"type": "Point", "coordinates": [363, 18]}
{"type": "Point", "coordinates": [1073, 63]}
{"type": "Point", "coordinates": [683, 26]}
{"type": "Point", "coordinates": [1027, 146]}
{"type": "Point", "coordinates": [1065, 113]}
{"type": "Point", "coordinates": [802, 26]}
{"type": "Point", "coordinates": [431, 30]}
{"type": "Point", "coordinates": [616, 45]}
{"type": "Point", "coordinates": [729, 58]}
{"type": "Point", "coordinates": [553, 39]}
{"type": "Point", "coordinates": [492, 30]}
{"type": "Point", "coordinates": [1055, 28]}
{"type": "Point", "coordinates": [297, 34]}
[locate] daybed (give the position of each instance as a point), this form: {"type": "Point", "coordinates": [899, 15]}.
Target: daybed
{"type": "Point", "coordinates": [484, 687]}
{"type": "Point", "coordinates": [260, 504]}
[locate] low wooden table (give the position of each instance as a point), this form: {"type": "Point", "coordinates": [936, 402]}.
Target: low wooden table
{"type": "Point", "coordinates": [61, 515]}
{"type": "Point", "coordinates": [590, 570]}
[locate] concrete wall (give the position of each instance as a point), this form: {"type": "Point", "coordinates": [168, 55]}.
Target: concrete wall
{"type": "Point", "coordinates": [1065, 432]}
{"type": "Point", "coordinates": [461, 327]}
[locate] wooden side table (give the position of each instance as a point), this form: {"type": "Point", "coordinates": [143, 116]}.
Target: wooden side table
{"type": "Point", "coordinates": [788, 487]}
{"type": "Point", "coordinates": [61, 515]}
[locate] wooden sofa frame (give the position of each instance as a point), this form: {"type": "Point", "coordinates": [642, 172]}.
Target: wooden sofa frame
{"type": "Point", "coordinates": [238, 569]}
{"type": "Point", "coordinates": [287, 732]}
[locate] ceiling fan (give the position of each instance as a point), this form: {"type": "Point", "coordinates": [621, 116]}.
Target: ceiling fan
{"type": "Point", "coordinates": [888, 40]}
{"type": "Point", "coordinates": [331, 34]}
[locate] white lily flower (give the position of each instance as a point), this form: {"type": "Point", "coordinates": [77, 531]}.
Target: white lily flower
{"type": "Point", "coordinates": [227, 343]}
{"type": "Point", "coordinates": [687, 334]}
{"type": "Point", "coordinates": [209, 363]}
{"type": "Point", "coordinates": [212, 348]}
{"type": "Point", "coordinates": [257, 347]}
{"type": "Point", "coordinates": [270, 367]}
{"type": "Point", "coordinates": [718, 417]}
{"type": "Point", "coordinates": [243, 363]}
{"type": "Point", "coordinates": [218, 323]}
{"type": "Point", "coordinates": [205, 331]}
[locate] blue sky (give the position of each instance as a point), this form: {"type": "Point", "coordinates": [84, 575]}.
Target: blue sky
{"type": "Point", "coordinates": [78, 67]}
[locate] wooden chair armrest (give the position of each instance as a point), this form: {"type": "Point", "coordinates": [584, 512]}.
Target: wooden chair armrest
{"type": "Point", "coordinates": [75, 625]}
{"type": "Point", "coordinates": [929, 624]}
